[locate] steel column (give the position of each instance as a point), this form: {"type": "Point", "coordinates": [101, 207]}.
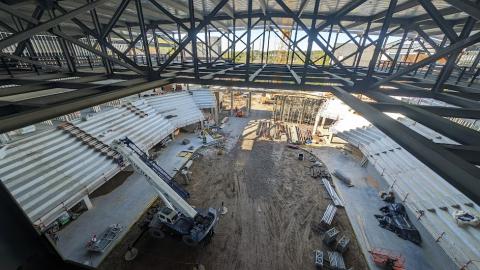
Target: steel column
{"type": "Point", "coordinates": [263, 38]}
{"type": "Point", "coordinates": [249, 33]}
{"type": "Point", "coordinates": [381, 37]}
{"type": "Point", "coordinates": [103, 48]}
{"type": "Point", "coordinates": [311, 36]}
{"type": "Point", "coordinates": [362, 47]}
{"type": "Point", "coordinates": [451, 62]}
{"type": "Point", "coordinates": [143, 32]}
{"type": "Point", "coordinates": [193, 37]}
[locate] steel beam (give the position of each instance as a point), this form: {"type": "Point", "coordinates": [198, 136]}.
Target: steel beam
{"type": "Point", "coordinates": [47, 67]}
{"type": "Point", "coordinates": [98, 30]}
{"type": "Point", "coordinates": [268, 45]}
{"type": "Point", "coordinates": [439, 54]}
{"type": "Point", "coordinates": [113, 21]}
{"type": "Point", "coordinates": [468, 153]}
{"type": "Point", "coordinates": [155, 43]}
{"type": "Point", "coordinates": [233, 41]}
{"type": "Point", "coordinates": [337, 16]}
{"type": "Point", "coordinates": [143, 32]}
{"type": "Point", "coordinates": [194, 31]}
{"type": "Point", "coordinates": [362, 47]}
{"type": "Point", "coordinates": [37, 14]}
{"type": "Point", "coordinates": [381, 37]}
{"type": "Point", "coordinates": [452, 130]}
{"type": "Point", "coordinates": [466, 6]}
{"type": "Point", "coordinates": [23, 119]}
{"type": "Point", "coordinates": [437, 110]}
{"type": "Point", "coordinates": [451, 61]}
{"type": "Point", "coordinates": [306, 29]}
{"type": "Point", "coordinates": [438, 18]}
{"type": "Point", "coordinates": [397, 54]}
{"type": "Point", "coordinates": [17, 37]}
{"type": "Point", "coordinates": [458, 172]}
{"type": "Point", "coordinates": [263, 39]}
{"type": "Point", "coordinates": [295, 76]}
{"type": "Point", "coordinates": [252, 77]}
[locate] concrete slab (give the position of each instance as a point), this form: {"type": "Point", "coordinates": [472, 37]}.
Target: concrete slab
{"type": "Point", "coordinates": [168, 157]}
{"type": "Point", "coordinates": [124, 205]}
{"type": "Point", "coordinates": [362, 202]}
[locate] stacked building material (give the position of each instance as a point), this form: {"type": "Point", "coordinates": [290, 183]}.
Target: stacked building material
{"type": "Point", "coordinates": [328, 215]}
{"type": "Point", "coordinates": [333, 194]}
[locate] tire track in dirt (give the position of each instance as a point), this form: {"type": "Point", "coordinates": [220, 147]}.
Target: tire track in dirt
{"type": "Point", "coordinates": [272, 204]}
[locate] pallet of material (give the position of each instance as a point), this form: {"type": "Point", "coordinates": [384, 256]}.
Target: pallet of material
{"type": "Point", "coordinates": [292, 134]}
{"type": "Point", "coordinates": [319, 259]}
{"type": "Point", "coordinates": [337, 201]}
{"type": "Point", "coordinates": [328, 215]}
{"type": "Point", "coordinates": [336, 261]}
{"type": "Point", "coordinates": [342, 244]}
{"type": "Point", "coordinates": [330, 236]}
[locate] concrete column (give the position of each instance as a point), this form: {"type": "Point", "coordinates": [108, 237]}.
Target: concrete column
{"type": "Point", "coordinates": [303, 111]}
{"type": "Point", "coordinates": [315, 126]}
{"type": "Point", "coordinates": [231, 103]}
{"type": "Point", "coordinates": [87, 202]}
{"type": "Point", "coordinates": [249, 102]}
{"type": "Point", "coordinates": [330, 137]}
{"type": "Point", "coordinates": [217, 106]}
{"type": "Point", "coordinates": [323, 122]}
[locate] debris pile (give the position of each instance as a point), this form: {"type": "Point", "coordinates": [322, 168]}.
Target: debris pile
{"type": "Point", "coordinates": [464, 218]}
{"type": "Point", "coordinates": [394, 218]}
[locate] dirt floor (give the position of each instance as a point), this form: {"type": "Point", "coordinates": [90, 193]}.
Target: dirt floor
{"type": "Point", "coordinates": [273, 206]}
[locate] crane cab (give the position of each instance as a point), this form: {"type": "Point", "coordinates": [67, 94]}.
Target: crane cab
{"type": "Point", "coordinates": [167, 215]}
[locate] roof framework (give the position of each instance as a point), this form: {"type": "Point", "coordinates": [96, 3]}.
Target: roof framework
{"type": "Point", "coordinates": [72, 44]}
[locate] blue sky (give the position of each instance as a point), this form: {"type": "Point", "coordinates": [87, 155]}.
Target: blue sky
{"type": "Point", "coordinates": [276, 43]}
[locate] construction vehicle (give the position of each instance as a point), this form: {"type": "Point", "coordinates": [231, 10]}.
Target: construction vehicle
{"type": "Point", "coordinates": [177, 217]}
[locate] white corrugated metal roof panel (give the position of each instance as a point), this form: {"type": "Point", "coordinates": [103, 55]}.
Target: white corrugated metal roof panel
{"type": "Point", "coordinates": [204, 98]}
{"type": "Point", "coordinates": [425, 191]}
{"type": "Point", "coordinates": [136, 120]}
{"type": "Point", "coordinates": [179, 108]}
{"type": "Point", "coordinates": [51, 171]}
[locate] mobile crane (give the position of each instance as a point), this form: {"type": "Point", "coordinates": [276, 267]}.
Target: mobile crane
{"type": "Point", "coordinates": [177, 217]}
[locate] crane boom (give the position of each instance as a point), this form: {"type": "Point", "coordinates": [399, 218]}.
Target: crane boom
{"type": "Point", "coordinates": [168, 190]}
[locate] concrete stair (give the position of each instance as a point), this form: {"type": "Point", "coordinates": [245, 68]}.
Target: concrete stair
{"type": "Point", "coordinates": [91, 141]}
